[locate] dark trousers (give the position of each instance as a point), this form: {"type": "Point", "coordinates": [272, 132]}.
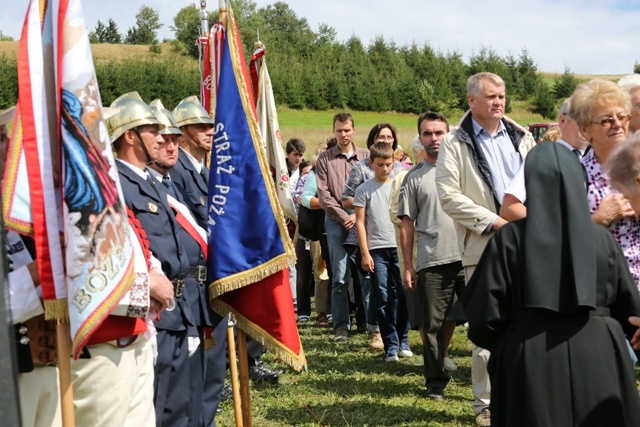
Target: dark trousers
{"type": "Point", "coordinates": [436, 286]}
{"type": "Point", "coordinates": [196, 382]}
{"type": "Point", "coordinates": [171, 381]}
{"type": "Point", "coordinates": [214, 371]}
{"type": "Point", "coordinates": [304, 278]}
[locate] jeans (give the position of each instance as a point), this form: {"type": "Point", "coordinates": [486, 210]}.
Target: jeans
{"type": "Point", "coordinates": [388, 294]}
{"type": "Point", "coordinates": [339, 269]}
{"type": "Point", "coordinates": [364, 278]}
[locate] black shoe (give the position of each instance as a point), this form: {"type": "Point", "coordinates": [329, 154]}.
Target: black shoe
{"type": "Point", "coordinates": [435, 393]}
{"type": "Point", "coordinates": [260, 373]}
{"type": "Point", "coordinates": [226, 393]}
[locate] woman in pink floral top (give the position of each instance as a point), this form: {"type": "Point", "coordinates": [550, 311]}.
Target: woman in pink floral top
{"type": "Point", "coordinates": [601, 110]}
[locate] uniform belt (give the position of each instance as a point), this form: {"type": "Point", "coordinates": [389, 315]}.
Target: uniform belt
{"type": "Point", "coordinates": [178, 287]}
{"type": "Point", "coordinates": [199, 272]}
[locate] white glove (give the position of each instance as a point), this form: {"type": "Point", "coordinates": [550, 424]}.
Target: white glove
{"type": "Point", "coordinates": [192, 344]}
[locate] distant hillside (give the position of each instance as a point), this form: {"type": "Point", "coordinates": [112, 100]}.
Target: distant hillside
{"type": "Point", "coordinates": [108, 52]}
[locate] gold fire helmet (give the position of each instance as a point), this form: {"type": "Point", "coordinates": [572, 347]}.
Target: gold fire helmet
{"type": "Point", "coordinates": [132, 112]}
{"type": "Point", "coordinates": [190, 112]}
{"type": "Point", "coordinates": [168, 124]}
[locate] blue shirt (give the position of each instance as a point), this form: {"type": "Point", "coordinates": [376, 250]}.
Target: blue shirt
{"type": "Point", "coordinates": [502, 157]}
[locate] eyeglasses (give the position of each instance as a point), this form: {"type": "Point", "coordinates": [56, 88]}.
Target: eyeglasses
{"type": "Point", "coordinates": [384, 138]}
{"type": "Point", "coordinates": [609, 121]}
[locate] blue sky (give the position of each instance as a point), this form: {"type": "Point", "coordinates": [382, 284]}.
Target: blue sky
{"type": "Point", "coordinates": [588, 36]}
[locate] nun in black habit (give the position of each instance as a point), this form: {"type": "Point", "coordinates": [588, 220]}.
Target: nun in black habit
{"type": "Point", "coordinates": [551, 298]}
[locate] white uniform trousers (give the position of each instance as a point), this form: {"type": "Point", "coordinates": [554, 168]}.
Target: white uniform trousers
{"type": "Point", "coordinates": [40, 397]}
{"type": "Point", "coordinates": [114, 388]}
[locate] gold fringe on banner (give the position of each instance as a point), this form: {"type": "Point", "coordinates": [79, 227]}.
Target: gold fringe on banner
{"type": "Point", "coordinates": [248, 277]}
{"type": "Point", "coordinates": [209, 343]}
{"type": "Point", "coordinates": [56, 309]}
{"type": "Point", "coordinates": [297, 362]}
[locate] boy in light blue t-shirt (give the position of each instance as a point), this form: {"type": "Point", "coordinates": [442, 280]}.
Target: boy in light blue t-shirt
{"type": "Point", "coordinates": [377, 241]}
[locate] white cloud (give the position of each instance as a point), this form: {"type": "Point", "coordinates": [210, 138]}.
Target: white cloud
{"type": "Point", "coordinates": [587, 36]}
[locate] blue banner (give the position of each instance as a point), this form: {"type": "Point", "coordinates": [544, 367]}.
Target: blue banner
{"type": "Point", "coordinates": [246, 224]}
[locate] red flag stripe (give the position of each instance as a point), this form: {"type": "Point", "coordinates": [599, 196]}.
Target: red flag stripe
{"type": "Point", "coordinates": [37, 150]}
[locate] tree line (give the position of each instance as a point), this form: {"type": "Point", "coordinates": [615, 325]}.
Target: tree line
{"type": "Point", "coordinates": [312, 69]}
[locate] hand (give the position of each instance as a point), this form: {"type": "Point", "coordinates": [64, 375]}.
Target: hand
{"type": "Point", "coordinates": [612, 208]}
{"type": "Point", "coordinates": [367, 263]}
{"type": "Point", "coordinates": [499, 223]}
{"type": "Point", "coordinates": [160, 289]}
{"type": "Point", "coordinates": [155, 305]}
{"type": "Point", "coordinates": [410, 279]}
{"type": "Point", "coordinates": [635, 340]}
{"type": "Point", "coordinates": [350, 222]}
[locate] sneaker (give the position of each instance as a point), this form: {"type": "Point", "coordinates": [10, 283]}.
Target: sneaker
{"type": "Point", "coordinates": [484, 418]}
{"type": "Point", "coordinates": [449, 365]}
{"type": "Point", "coordinates": [341, 335]}
{"type": "Point", "coordinates": [435, 393]}
{"type": "Point", "coordinates": [376, 341]}
{"type": "Point", "coordinates": [392, 356]}
{"type": "Point", "coordinates": [261, 373]}
{"type": "Point", "coordinates": [303, 319]}
{"type": "Point", "coordinates": [405, 351]}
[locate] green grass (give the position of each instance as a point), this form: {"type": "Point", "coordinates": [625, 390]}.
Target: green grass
{"type": "Point", "coordinates": [348, 384]}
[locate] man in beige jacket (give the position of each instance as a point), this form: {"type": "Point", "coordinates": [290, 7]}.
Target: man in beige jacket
{"type": "Point", "coordinates": [477, 162]}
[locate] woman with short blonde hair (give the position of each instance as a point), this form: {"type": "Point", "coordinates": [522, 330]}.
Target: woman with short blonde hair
{"type": "Point", "coordinates": [602, 111]}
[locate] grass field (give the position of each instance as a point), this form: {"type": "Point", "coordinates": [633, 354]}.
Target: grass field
{"type": "Point", "coordinates": [350, 385]}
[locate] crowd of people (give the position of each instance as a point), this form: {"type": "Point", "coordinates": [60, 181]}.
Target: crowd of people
{"type": "Point", "coordinates": [536, 246]}
{"type": "Point", "coordinates": [542, 254]}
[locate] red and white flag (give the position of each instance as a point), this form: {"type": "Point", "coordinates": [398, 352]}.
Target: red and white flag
{"type": "Point", "coordinates": [270, 131]}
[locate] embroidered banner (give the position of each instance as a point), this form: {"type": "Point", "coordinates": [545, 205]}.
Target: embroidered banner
{"type": "Point", "coordinates": [85, 249]}
{"type": "Point", "coordinates": [249, 248]}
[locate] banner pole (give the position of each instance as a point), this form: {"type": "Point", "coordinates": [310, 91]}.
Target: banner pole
{"type": "Point", "coordinates": [233, 369]}
{"type": "Point", "coordinates": [244, 378]}
{"type": "Point", "coordinates": [63, 344]}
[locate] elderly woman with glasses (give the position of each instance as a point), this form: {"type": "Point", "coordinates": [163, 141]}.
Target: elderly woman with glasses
{"type": "Point", "coordinates": [602, 110]}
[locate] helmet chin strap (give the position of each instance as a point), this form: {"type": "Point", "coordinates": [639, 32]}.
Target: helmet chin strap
{"type": "Point", "coordinates": [191, 138]}
{"type": "Point", "coordinates": [144, 147]}
{"type": "Point", "coordinates": [165, 167]}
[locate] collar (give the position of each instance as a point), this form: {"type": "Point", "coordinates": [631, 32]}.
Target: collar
{"type": "Point", "coordinates": [141, 173]}
{"type": "Point", "coordinates": [196, 164]}
{"type": "Point", "coordinates": [477, 128]}
{"type": "Point", "coordinates": [156, 175]}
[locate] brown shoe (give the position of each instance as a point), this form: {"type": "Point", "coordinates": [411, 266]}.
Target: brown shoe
{"type": "Point", "coordinates": [484, 418]}
{"type": "Point", "coordinates": [376, 341]}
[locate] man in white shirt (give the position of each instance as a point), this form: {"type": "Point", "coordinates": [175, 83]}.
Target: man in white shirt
{"type": "Point", "coordinates": [513, 203]}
